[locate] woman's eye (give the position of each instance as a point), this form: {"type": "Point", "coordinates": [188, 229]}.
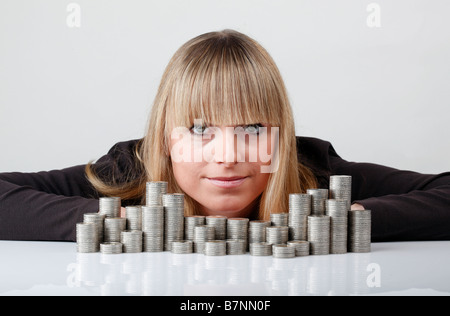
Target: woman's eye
{"type": "Point", "coordinates": [253, 129]}
{"type": "Point", "coordinates": [198, 129]}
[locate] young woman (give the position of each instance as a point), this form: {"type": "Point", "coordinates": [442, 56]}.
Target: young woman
{"type": "Point", "coordinates": [219, 88]}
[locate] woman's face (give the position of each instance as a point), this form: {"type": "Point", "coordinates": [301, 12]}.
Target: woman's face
{"type": "Point", "coordinates": [222, 168]}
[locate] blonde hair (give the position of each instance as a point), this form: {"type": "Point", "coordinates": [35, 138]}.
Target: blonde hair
{"type": "Point", "coordinates": [224, 78]}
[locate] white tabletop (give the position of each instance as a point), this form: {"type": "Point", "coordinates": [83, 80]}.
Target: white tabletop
{"type": "Point", "coordinates": [42, 268]}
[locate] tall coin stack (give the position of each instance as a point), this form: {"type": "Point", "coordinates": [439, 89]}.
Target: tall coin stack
{"type": "Point", "coordinates": [341, 189]}
{"type": "Point", "coordinates": [260, 249]}
{"type": "Point", "coordinates": [220, 225]}
{"type": "Point", "coordinates": [153, 228]}
{"type": "Point", "coordinates": [337, 210]}
{"type": "Point", "coordinates": [318, 200]}
{"type": "Point", "coordinates": [87, 238]}
{"type": "Point", "coordinates": [110, 206]}
{"type": "Point", "coordinates": [154, 192]}
{"type": "Point", "coordinates": [189, 225]}
{"type": "Point", "coordinates": [319, 234]}
{"type": "Point", "coordinates": [173, 218]}
{"type": "Point", "coordinates": [360, 231]}
{"type": "Point", "coordinates": [299, 210]}
{"type": "Point", "coordinates": [216, 248]}
{"type": "Point", "coordinates": [237, 228]}
{"type": "Point", "coordinates": [236, 247]}
{"type": "Point", "coordinates": [257, 231]}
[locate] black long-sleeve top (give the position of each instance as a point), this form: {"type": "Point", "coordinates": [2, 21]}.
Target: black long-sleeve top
{"type": "Point", "coordinates": [406, 205]}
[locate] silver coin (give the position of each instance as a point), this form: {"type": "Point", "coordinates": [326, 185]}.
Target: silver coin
{"type": "Point", "coordinates": [283, 251]}
{"type": "Point", "coordinates": [220, 225]}
{"type": "Point", "coordinates": [261, 249]}
{"type": "Point", "coordinates": [215, 248]}
{"type": "Point", "coordinates": [111, 248]}
{"type": "Point", "coordinates": [110, 206]}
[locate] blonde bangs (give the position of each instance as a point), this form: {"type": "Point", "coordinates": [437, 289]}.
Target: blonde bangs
{"type": "Point", "coordinates": [224, 84]}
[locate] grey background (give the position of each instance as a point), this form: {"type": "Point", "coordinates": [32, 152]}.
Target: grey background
{"type": "Point", "coordinates": [379, 95]}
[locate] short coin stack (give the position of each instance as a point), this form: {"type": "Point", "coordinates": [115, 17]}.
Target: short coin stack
{"type": "Point", "coordinates": [220, 226]}
{"type": "Point", "coordinates": [112, 248]}
{"type": "Point", "coordinates": [236, 247]}
{"type": "Point", "coordinates": [318, 200]}
{"type": "Point", "coordinates": [110, 206]}
{"type": "Point", "coordinates": [202, 234]}
{"type": "Point", "coordinates": [87, 238]}
{"type": "Point", "coordinates": [276, 235]}
{"type": "Point", "coordinates": [189, 225]}
{"type": "Point", "coordinates": [257, 231]}
{"type": "Point", "coordinates": [216, 248]}
{"type": "Point", "coordinates": [283, 251]}
{"type": "Point", "coordinates": [261, 249]}
{"type": "Point", "coordinates": [302, 248]}
{"type": "Point", "coordinates": [182, 247]}
{"type": "Point", "coordinates": [114, 226]}
{"type": "Point", "coordinates": [319, 234]}
{"type": "Point", "coordinates": [360, 231]}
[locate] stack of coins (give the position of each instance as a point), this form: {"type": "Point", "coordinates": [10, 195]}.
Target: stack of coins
{"type": "Point", "coordinates": [202, 234]}
{"type": "Point", "coordinates": [283, 251]}
{"type": "Point", "coordinates": [182, 247]}
{"type": "Point", "coordinates": [257, 231]}
{"type": "Point", "coordinates": [173, 218]}
{"type": "Point", "coordinates": [260, 249]}
{"type": "Point", "coordinates": [112, 248]}
{"type": "Point", "coordinates": [319, 234]}
{"type": "Point", "coordinates": [276, 235]}
{"type": "Point", "coordinates": [189, 225]}
{"type": "Point", "coordinates": [216, 248]}
{"type": "Point", "coordinates": [132, 241]}
{"type": "Point", "coordinates": [113, 228]}
{"type": "Point", "coordinates": [236, 247]}
{"type": "Point", "coordinates": [237, 228]}
{"type": "Point", "coordinates": [133, 215]}
{"type": "Point", "coordinates": [220, 225]}
{"type": "Point", "coordinates": [87, 238]}
{"type": "Point", "coordinates": [341, 189]}
{"type": "Point", "coordinates": [154, 192]}
{"type": "Point", "coordinates": [279, 219]}
{"type": "Point", "coordinates": [153, 228]}
{"type": "Point", "coordinates": [337, 210]}
{"type": "Point", "coordinates": [110, 206]}
{"type": "Point", "coordinates": [98, 220]}
{"type": "Point", "coordinates": [360, 231]}
{"type": "Point", "coordinates": [319, 197]}
{"type": "Point", "coordinates": [299, 210]}
{"type": "Point", "coordinates": [301, 247]}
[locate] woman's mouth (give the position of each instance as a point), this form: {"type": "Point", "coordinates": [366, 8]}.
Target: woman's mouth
{"type": "Point", "coordinates": [227, 182]}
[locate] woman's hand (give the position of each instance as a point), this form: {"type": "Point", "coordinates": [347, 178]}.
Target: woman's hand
{"type": "Point", "coordinates": [122, 212]}
{"type": "Point", "coordinates": [357, 207]}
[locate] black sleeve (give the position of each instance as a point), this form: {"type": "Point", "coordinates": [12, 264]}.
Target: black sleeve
{"type": "Point", "coordinates": [47, 205]}
{"type": "Point", "coordinates": [44, 205]}
{"type": "Point", "coordinates": [406, 205]}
